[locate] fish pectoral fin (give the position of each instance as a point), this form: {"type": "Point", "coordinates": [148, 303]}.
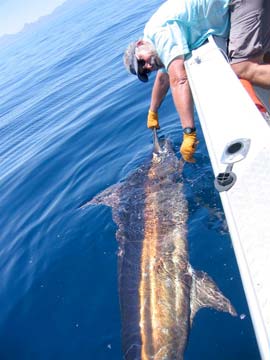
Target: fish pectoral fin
{"type": "Point", "coordinates": [108, 197]}
{"type": "Point", "coordinates": [205, 293]}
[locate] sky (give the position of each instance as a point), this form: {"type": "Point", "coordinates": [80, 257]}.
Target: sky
{"type": "Point", "coordinates": [14, 14]}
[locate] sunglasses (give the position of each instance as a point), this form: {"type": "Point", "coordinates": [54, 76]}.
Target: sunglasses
{"type": "Point", "coordinates": [141, 64]}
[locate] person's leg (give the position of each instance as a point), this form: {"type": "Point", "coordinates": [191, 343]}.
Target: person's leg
{"type": "Point", "coordinates": [254, 71]}
{"type": "Point", "coordinates": [249, 37]}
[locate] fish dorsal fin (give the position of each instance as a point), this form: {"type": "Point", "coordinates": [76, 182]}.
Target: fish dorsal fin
{"type": "Point", "coordinates": [108, 197]}
{"type": "Point", "coordinates": [205, 293]}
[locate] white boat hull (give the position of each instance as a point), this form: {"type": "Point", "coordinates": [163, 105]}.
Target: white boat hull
{"type": "Point", "coordinates": [227, 114]}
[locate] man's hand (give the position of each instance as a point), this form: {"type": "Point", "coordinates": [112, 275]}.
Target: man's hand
{"type": "Point", "coordinates": [152, 120]}
{"type": "Point", "coordinates": [188, 147]}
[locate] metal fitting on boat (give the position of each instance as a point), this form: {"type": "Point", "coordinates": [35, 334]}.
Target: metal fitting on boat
{"type": "Point", "coordinates": [234, 151]}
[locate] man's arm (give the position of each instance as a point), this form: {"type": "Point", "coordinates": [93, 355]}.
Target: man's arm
{"type": "Point", "coordinates": [184, 105]}
{"type": "Point", "coordinates": [181, 92]}
{"type": "Point", "coordinates": [159, 91]}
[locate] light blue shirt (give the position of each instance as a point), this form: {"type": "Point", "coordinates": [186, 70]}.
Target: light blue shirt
{"type": "Point", "coordinates": [179, 26]}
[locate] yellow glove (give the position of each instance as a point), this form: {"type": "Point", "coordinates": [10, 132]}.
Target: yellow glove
{"type": "Point", "coordinates": [188, 147]}
{"type": "Point", "coordinates": [152, 120]}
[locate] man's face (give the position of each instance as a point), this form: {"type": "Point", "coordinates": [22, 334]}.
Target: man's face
{"type": "Point", "coordinates": [148, 59]}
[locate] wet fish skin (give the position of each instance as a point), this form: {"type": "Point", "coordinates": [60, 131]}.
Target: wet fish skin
{"type": "Point", "coordinates": [159, 291]}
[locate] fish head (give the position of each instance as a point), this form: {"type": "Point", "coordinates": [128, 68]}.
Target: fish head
{"type": "Point", "coordinates": [165, 165]}
{"type": "Point", "coordinates": [164, 169]}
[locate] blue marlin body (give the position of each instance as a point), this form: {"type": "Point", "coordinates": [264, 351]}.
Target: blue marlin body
{"type": "Point", "coordinates": [159, 291]}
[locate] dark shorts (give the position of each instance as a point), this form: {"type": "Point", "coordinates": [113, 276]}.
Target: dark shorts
{"type": "Point", "coordinates": [250, 29]}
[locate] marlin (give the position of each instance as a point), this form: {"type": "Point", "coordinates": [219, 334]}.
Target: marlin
{"type": "Point", "coordinates": [159, 291]}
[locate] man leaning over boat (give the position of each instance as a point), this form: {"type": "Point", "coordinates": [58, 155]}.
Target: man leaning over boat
{"type": "Point", "coordinates": [177, 28]}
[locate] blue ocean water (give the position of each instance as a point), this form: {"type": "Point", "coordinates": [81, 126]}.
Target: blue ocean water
{"type": "Point", "coordinates": [73, 122]}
